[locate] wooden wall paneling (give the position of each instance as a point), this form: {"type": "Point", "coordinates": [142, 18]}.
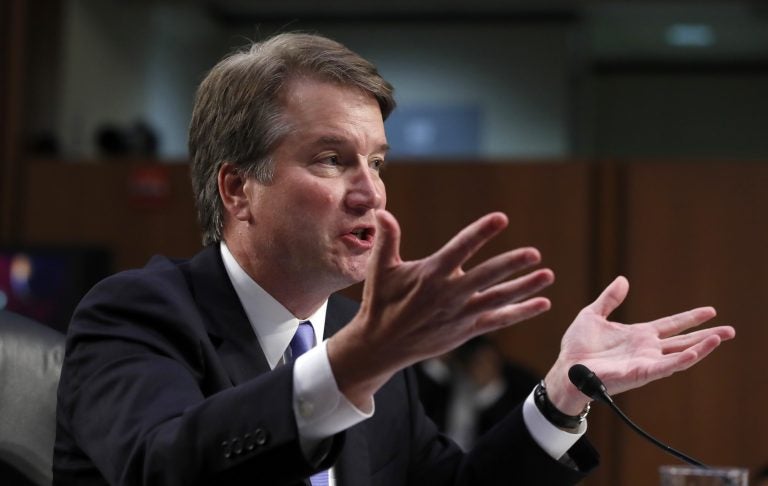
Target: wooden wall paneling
{"type": "Point", "coordinates": [547, 207]}
{"type": "Point", "coordinates": [13, 16]}
{"type": "Point", "coordinates": [552, 206]}
{"type": "Point", "coordinates": [685, 235]}
{"type": "Point", "coordinates": [92, 203]}
{"type": "Point", "coordinates": [606, 209]}
{"type": "Point", "coordinates": [696, 235]}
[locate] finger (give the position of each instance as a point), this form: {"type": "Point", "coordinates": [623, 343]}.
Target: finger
{"type": "Point", "coordinates": [499, 268]}
{"type": "Point", "coordinates": [685, 359]}
{"type": "Point", "coordinates": [611, 298]}
{"type": "Point", "coordinates": [511, 292]}
{"type": "Point", "coordinates": [675, 324]}
{"type": "Point", "coordinates": [466, 243]}
{"type": "Point", "coordinates": [680, 343]}
{"type": "Point", "coordinates": [509, 315]}
{"type": "Point", "coordinates": [386, 249]}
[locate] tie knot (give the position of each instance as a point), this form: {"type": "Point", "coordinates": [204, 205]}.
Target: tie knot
{"type": "Point", "coordinates": [303, 340]}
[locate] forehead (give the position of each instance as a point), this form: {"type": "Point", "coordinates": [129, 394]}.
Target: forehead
{"type": "Point", "coordinates": [305, 89]}
{"type": "Point", "coordinates": [311, 102]}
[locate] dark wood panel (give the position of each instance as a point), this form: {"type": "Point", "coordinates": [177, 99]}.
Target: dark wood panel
{"type": "Point", "coordinates": [76, 203]}
{"type": "Point", "coordinates": [696, 235]}
{"type": "Point", "coordinates": [547, 205]}
{"type": "Point", "coordinates": [13, 23]}
{"type": "Point", "coordinates": [685, 235]}
{"type": "Point", "coordinates": [552, 206]}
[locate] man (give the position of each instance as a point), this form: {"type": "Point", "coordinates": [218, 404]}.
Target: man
{"type": "Point", "coordinates": [190, 372]}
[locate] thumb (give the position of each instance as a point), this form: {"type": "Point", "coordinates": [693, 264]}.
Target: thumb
{"type": "Point", "coordinates": [386, 247]}
{"type": "Point", "coordinates": [612, 297]}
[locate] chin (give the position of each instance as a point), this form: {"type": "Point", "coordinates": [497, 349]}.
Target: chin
{"type": "Point", "coordinates": [343, 273]}
{"type": "Point", "coordinates": [352, 275]}
{"type": "Point", "coordinates": [342, 282]}
{"type": "Point", "coordinates": [352, 278]}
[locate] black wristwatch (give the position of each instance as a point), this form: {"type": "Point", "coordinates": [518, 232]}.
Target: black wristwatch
{"type": "Point", "coordinates": [551, 413]}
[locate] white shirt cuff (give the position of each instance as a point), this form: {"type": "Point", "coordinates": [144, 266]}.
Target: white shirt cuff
{"type": "Point", "coordinates": [321, 410]}
{"type": "Point", "coordinates": [549, 437]}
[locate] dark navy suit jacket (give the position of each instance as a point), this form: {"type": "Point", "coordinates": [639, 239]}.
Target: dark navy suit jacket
{"type": "Point", "coordinates": [164, 383]}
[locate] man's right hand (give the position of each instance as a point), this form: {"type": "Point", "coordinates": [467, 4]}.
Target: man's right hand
{"type": "Point", "coordinates": [414, 310]}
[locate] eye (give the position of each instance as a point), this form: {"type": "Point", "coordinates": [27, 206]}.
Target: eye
{"type": "Point", "coordinates": [377, 164]}
{"type": "Point", "coordinates": [332, 159]}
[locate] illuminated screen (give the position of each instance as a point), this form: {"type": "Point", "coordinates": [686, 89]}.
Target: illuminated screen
{"type": "Point", "coordinates": [45, 284]}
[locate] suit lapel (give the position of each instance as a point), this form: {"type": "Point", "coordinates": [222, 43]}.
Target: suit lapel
{"type": "Point", "coordinates": [227, 323]}
{"type": "Point", "coordinates": [240, 351]}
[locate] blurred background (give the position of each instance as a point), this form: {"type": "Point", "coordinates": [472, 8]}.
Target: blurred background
{"type": "Point", "coordinates": [620, 137]}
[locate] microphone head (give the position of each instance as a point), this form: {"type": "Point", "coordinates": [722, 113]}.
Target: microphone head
{"type": "Point", "coordinates": [587, 382]}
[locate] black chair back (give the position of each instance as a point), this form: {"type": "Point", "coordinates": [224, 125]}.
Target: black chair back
{"type": "Point", "coordinates": [30, 365]}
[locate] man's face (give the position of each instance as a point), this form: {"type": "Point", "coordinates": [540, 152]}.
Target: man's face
{"type": "Point", "coordinates": [316, 219]}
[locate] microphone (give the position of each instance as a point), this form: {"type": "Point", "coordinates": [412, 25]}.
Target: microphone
{"type": "Point", "coordinates": [589, 384]}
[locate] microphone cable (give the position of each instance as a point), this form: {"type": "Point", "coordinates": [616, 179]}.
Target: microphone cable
{"type": "Point", "coordinates": [587, 382]}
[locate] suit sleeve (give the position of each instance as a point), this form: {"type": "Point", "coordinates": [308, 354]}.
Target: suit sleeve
{"type": "Point", "coordinates": [144, 398]}
{"type": "Point", "coordinates": [505, 455]}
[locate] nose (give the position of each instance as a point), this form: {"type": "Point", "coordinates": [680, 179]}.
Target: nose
{"type": "Point", "coordinates": [366, 189]}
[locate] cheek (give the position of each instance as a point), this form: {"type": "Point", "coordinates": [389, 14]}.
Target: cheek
{"type": "Point", "coordinates": [316, 198]}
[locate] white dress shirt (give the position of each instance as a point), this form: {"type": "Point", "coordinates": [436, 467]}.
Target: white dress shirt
{"type": "Point", "coordinates": [321, 409]}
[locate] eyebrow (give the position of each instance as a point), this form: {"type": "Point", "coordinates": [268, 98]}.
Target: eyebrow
{"type": "Point", "coordinates": [332, 140]}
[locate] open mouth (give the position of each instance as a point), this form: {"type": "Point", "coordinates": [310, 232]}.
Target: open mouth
{"type": "Point", "coordinates": [363, 234]}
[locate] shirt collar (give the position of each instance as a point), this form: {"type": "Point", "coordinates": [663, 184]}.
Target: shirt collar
{"type": "Point", "coordinates": [273, 324]}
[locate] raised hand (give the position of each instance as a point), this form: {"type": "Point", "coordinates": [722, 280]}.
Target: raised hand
{"type": "Point", "coordinates": [413, 310]}
{"type": "Point", "coordinates": [629, 356]}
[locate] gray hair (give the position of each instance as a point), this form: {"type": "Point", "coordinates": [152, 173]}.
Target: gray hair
{"type": "Point", "coordinates": [237, 116]}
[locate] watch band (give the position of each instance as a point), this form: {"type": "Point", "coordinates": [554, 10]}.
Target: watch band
{"type": "Point", "coordinates": [551, 413]}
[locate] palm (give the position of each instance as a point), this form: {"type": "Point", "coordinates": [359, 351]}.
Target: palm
{"type": "Point", "coordinates": [628, 356]}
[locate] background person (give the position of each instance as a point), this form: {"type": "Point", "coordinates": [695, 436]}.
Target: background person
{"type": "Point", "coordinates": [467, 391]}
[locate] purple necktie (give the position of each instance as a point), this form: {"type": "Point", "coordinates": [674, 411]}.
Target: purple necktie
{"type": "Point", "coordinates": [303, 341]}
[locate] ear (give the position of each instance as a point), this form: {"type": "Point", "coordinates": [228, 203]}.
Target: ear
{"type": "Point", "coordinates": [232, 191]}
